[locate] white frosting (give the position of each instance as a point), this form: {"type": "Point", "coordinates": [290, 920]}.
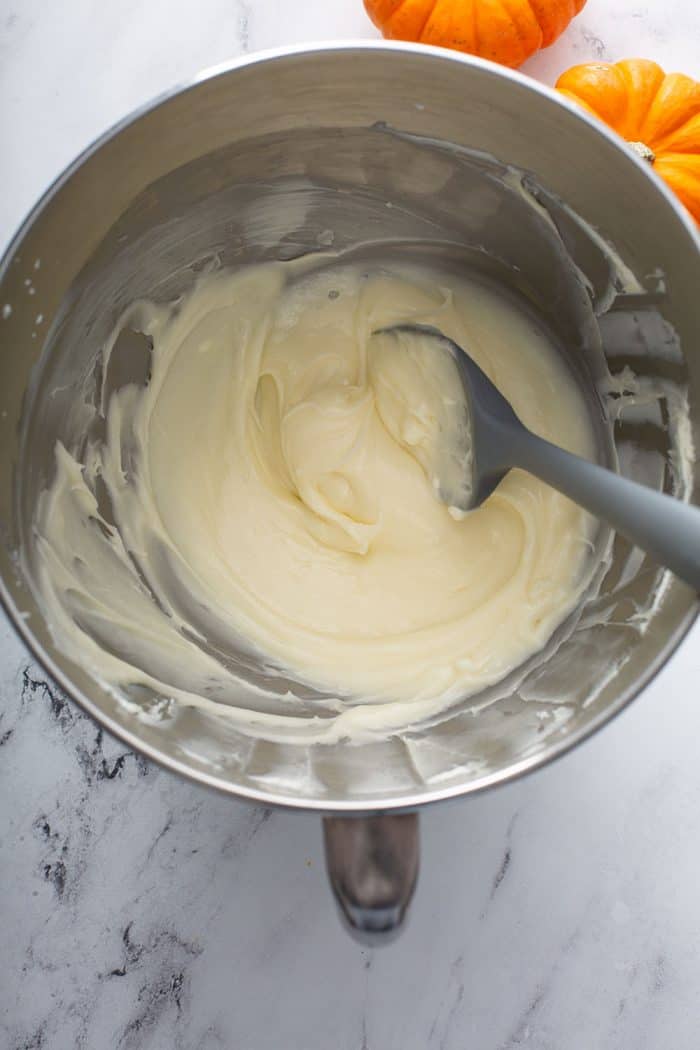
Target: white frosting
{"type": "Point", "coordinates": [272, 501]}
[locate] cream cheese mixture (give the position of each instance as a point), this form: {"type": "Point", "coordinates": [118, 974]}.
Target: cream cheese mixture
{"type": "Point", "coordinates": [269, 497]}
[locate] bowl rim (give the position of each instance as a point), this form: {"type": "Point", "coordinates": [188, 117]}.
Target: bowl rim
{"type": "Point", "coordinates": [284, 800]}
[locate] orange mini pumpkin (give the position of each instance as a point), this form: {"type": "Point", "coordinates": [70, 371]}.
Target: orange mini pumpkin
{"type": "Point", "coordinates": [658, 114]}
{"type": "Point", "coordinates": [506, 31]}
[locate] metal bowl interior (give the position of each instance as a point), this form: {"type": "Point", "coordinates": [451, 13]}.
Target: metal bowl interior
{"type": "Point", "coordinates": [365, 124]}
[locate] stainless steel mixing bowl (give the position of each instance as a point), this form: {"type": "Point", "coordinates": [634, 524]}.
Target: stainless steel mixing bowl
{"type": "Point", "coordinates": [284, 153]}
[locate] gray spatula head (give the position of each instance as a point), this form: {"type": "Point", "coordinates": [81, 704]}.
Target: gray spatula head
{"type": "Point", "coordinates": [485, 448]}
{"type": "Point", "coordinates": [496, 440]}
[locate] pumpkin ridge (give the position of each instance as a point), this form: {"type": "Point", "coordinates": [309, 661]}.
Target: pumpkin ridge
{"type": "Point", "coordinates": [430, 11]}
{"type": "Point", "coordinates": [666, 144]}
{"type": "Point", "coordinates": [535, 16]}
{"type": "Point", "coordinates": [639, 131]}
{"type": "Point", "coordinates": [554, 19]}
{"type": "Point", "coordinates": [683, 179]}
{"type": "Point", "coordinates": [544, 42]}
{"type": "Point", "coordinates": [381, 12]}
{"type": "Point", "coordinates": [519, 34]}
{"type": "Point", "coordinates": [675, 128]}
{"type": "Point", "coordinates": [605, 85]}
{"type": "Point", "coordinates": [430, 7]}
{"type": "Point", "coordinates": [682, 162]}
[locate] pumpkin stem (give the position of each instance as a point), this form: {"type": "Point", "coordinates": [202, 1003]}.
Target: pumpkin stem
{"type": "Point", "coordinates": [643, 151]}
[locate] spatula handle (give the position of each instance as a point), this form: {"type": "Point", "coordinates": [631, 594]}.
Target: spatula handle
{"type": "Point", "coordinates": [665, 527]}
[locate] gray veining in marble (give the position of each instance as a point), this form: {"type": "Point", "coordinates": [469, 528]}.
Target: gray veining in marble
{"type": "Point", "coordinates": [140, 912]}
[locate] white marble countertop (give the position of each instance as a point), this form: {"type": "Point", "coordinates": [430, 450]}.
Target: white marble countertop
{"type": "Point", "coordinates": [139, 912]}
